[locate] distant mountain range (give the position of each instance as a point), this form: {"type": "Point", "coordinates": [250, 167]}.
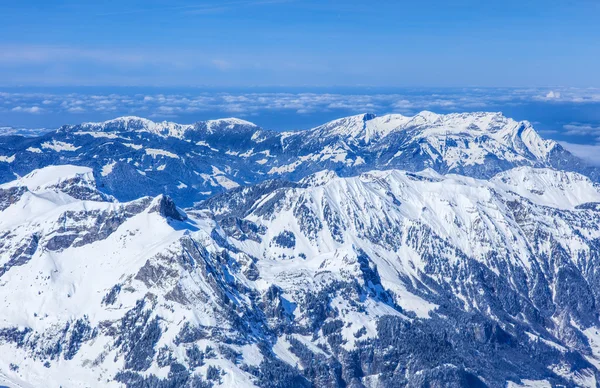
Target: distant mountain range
{"type": "Point", "coordinates": [457, 250]}
{"type": "Point", "coordinates": [132, 157]}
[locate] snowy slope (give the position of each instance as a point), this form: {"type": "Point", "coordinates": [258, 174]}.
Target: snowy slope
{"type": "Point", "coordinates": [79, 277]}
{"type": "Point", "coordinates": [417, 241]}
{"type": "Point", "coordinates": [475, 144]}
{"type": "Point", "coordinates": [426, 278]}
{"type": "Point", "coordinates": [50, 176]}
{"type": "Point", "coordinates": [560, 189]}
{"type": "Point", "coordinates": [132, 123]}
{"type": "Point", "coordinates": [433, 250]}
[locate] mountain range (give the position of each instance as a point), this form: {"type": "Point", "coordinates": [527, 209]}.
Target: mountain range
{"type": "Point", "coordinates": [132, 157]}
{"type": "Point", "coordinates": [427, 251]}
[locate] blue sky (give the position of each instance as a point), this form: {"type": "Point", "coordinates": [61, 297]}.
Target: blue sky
{"type": "Point", "coordinates": [427, 43]}
{"type": "Point", "coordinates": [292, 64]}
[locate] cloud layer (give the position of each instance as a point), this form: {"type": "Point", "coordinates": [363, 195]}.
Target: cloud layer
{"type": "Point", "coordinates": [564, 114]}
{"type": "Point", "coordinates": [249, 103]}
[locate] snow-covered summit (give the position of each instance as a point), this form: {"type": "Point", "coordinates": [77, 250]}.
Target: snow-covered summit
{"type": "Point", "coordinates": [135, 124]}
{"type": "Point", "coordinates": [51, 176]}
{"type": "Point", "coordinates": [479, 134]}
{"type": "Point", "coordinates": [560, 189]}
{"type": "Point", "coordinates": [460, 122]}
{"type": "Point", "coordinates": [366, 127]}
{"type": "Point", "coordinates": [481, 127]}
{"type": "Point", "coordinates": [229, 123]}
{"type": "Point", "coordinates": [163, 128]}
{"type": "Point", "coordinates": [370, 127]}
{"type": "Point", "coordinates": [319, 178]}
{"type": "Point", "coordinates": [478, 144]}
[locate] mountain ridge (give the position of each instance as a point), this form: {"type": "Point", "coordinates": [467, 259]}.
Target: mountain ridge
{"type": "Point", "coordinates": [191, 162]}
{"type": "Point", "coordinates": [395, 122]}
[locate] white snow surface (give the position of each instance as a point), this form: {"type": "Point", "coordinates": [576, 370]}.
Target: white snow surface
{"type": "Point", "coordinates": [559, 189]}
{"type": "Point", "coordinates": [59, 146]}
{"type": "Point", "coordinates": [164, 128]}
{"type": "Point", "coordinates": [458, 140]}
{"type": "Point", "coordinates": [51, 175]}
{"type": "Point", "coordinates": [375, 213]}
{"type": "Point", "coordinates": [7, 159]}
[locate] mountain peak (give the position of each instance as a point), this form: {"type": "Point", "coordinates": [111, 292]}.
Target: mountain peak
{"type": "Point", "coordinates": [319, 178]}
{"type": "Point", "coordinates": [560, 189]}
{"type": "Point", "coordinates": [163, 128]}
{"type": "Point", "coordinates": [468, 121]}
{"type": "Point", "coordinates": [230, 124]}
{"type": "Point", "coordinates": [369, 127]}
{"type": "Point", "coordinates": [165, 206]}
{"type": "Point", "coordinates": [127, 122]}
{"type": "Point", "coordinates": [52, 182]}
{"type": "Point", "coordinates": [50, 176]}
{"type": "Point", "coordinates": [133, 124]}
{"type": "Point", "coordinates": [427, 116]}
{"type": "Point", "coordinates": [369, 116]}
{"type": "Point", "coordinates": [230, 121]}
{"type": "Point", "coordinates": [366, 126]}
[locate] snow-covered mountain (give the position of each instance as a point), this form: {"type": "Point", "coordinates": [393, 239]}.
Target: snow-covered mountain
{"type": "Point", "coordinates": [132, 157]}
{"type": "Point", "coordinates": [389, 278]}
{"type": "Point", "coordinates": [434, 250]}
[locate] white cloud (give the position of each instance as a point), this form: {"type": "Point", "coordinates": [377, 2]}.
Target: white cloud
{"type": "Point", "coordinates": [403, 104]}
{"type": "Point", "coordinates": [565, 95]}
{"type": "Point", "coordinates": [576, 129]}
{"type": "Point", "coordinates": [31, 109]}
{"type": "Point", "coordinates": [247, 104]}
